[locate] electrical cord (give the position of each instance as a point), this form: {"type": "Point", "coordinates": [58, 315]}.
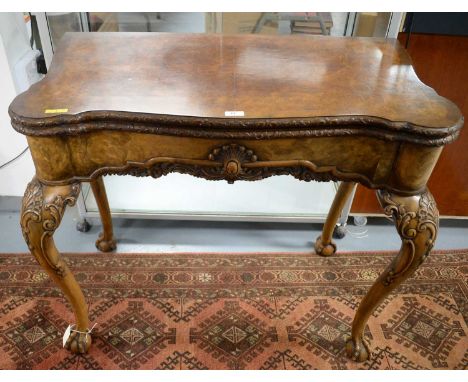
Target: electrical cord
{"type": "Point", "coordinates": [15, 158]}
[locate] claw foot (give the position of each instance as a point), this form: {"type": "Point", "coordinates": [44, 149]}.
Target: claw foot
{"type": "Point", "coordinates": [78, 343]}
{"type": "Point", "coordinates": [357, 350]}
{"type": "Point", "coordinates": [324, 250]}
{"type": "Point", "coordinates": [105, 245]}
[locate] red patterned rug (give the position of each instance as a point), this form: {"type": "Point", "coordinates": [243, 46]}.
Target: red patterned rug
{"type": "Point", "coordinates": [234, 311]}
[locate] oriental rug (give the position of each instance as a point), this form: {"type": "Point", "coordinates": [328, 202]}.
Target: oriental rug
{"type": "Point", "coordinates": [234, 311]}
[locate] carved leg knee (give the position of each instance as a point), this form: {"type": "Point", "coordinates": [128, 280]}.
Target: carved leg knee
{"type": "Point", "coordinates": [417, 220]}
{"type": "Point", "coordinates": [42, 211]}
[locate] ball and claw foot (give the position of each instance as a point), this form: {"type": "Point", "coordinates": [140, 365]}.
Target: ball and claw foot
{"type": "Point", "coordinates": [78, 343]}
{"type": "Point", "coordinates": [105, 245]}
{"type": "Point", "coordinates": [83, 226]}
{"type": "Point", "coordinates": [324, 250]}
{"type": "Point", "coordinates": [358, 351]}
{"type": "Point", "coordinates": [339, 232]}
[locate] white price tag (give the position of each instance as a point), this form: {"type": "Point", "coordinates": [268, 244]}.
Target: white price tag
{"type": "Point", "coordinates": [66, 335]}
{"type": "Point", "coordinates": [234, 113]}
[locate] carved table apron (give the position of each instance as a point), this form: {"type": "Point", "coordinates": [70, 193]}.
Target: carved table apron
{"type": "Point", "coordinates": [233, 108]}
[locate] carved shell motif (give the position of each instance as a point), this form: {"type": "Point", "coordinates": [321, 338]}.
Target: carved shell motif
{"type": "Point", "coordinates": [232, 156]}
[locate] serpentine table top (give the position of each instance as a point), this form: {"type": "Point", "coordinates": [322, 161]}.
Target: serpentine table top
{"type": "Point", "coordinates": [241, 107]}
{"type": "Point", "coordinates": [315, 79]}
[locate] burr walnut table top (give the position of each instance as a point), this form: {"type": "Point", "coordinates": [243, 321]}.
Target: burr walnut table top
{"type": "Point", "coordinates": [196, 80]}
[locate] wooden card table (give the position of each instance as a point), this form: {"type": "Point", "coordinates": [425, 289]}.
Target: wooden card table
{"type": "Point", "coordinates": [233, 108]}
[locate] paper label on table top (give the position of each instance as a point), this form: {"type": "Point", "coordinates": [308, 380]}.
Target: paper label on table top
{"type": "Point", "coordinates": [234, 113]}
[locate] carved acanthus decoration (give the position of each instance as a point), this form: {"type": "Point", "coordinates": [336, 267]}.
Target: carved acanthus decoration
{"type": "Point", "coordinates": [410, 224]}
{"type": "Point", "coordinates": [237, 128]}
{"type": "Point", "coordinates": [46, 215]}
{"type": "Point", "coordinates": [229, 162]}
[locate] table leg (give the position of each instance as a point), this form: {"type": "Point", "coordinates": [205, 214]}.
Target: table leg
{"type": "Point", "coordinates": [417, 221]}
{"type": "Point", "coordinates": [324, 245]}
{"type": "Point", "coordinates": [42, 211]}
{"type": "Point", "coordinates": [105, 241]}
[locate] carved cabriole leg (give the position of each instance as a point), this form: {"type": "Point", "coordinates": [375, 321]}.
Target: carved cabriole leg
{"type": "Point", "coordinates": [42, 211]}
{"type": "Point", "coordinates": [417, 221]}
{"type": "Point", "coordinates": [324, 245]}
{"type": "Point", "coordinates": [105, 241]}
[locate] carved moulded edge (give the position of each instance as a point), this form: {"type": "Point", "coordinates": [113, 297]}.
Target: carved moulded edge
{"type": "Point", "coordinates": [240, 128]}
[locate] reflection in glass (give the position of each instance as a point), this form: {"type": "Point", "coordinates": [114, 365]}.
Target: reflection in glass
{"type": "Point", "coordinates": [270, 23]}
{"type": "Point", "coordinates": [369, 24]}
{"type": "Point", "coordinates": [62, 22]}
{"type": "Point", "coordinates": [372, 24]}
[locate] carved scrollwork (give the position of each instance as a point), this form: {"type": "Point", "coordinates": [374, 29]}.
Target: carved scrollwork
{"type": "Point", "coordinates": [230, 162]}
{"type": "Point", "coordinates": [225, 162]}
{"type": "Point", "coordinates": [237, 128]}
{"type": "Point", "coordinates": [410, 223]}
{"type": "Point", "coordinates": [37, 210]}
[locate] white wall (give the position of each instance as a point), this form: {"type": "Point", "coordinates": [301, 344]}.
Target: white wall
{"type": "Point", "coordinates": [14, 44]}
